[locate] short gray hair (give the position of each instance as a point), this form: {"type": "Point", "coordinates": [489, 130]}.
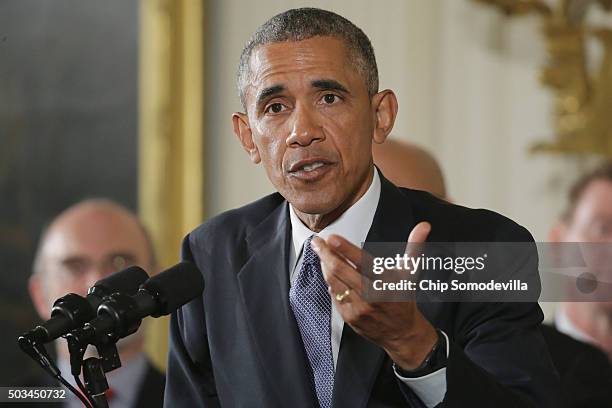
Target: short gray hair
{"type": "Point", "coordinates": [304, 23]}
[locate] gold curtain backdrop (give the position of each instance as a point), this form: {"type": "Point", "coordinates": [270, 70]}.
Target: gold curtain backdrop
{"type": "Point", "coordinates": [171, 148]}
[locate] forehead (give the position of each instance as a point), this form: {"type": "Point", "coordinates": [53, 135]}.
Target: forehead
{"type": "Point", "coordinates": [95, 235]}
{"type": "Point", "coordinates": [597, 195]}
{"type": "Point", "coordinates": [293, 61]}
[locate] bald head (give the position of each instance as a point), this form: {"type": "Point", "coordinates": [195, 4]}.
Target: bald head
{"type": "Point", "coordinates": [85, 243]}
{"type": "Point", "coordinates": [408, 165]}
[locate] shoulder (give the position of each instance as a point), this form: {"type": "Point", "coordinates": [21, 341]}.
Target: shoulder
{"type": "Point", "coordinates": [236, 224]}
{"type": "Point", "coordinates": [463, 223]}
{"type": "Point", "coordinates": [584, 370]}
{"type": "Point", "coordinates": [566, 352]}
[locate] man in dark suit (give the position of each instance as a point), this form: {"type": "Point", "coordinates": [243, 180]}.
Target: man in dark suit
{"type": "Point", "coordinates": [588, 219]}
{"type": "Point", "coordinates": [283, 321]}
{"type": "Point", "coordinates": [82, 245]}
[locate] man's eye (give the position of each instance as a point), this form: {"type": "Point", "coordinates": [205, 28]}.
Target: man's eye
{"type": "Point", "coordinates": [330, 98]}
{"type": "Point", "coordinates": [274, 108]}
{"type": "Point", "coordinates": [75, 267]}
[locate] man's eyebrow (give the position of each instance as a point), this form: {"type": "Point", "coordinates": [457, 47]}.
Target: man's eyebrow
{"type": "Point", "coordinates": [72, 259]}
{"type": "Point", "coordinates": [329, 84]}
{"type": "Point", "coordinates": [268, 92]}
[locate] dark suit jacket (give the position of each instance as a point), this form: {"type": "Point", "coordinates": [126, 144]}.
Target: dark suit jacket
{"type": "Point", "coordinates": [239, 345]}
{"type": "Point", "coordinates": [585, 371]}
{"type": "Point", "coordinates": [150, 394]}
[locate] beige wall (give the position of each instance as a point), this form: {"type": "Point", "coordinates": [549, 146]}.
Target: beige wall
{"type": "Point", "coordinates": [467, 83]}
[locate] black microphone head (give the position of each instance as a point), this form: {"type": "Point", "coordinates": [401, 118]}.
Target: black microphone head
{"type": "Point", "coordinates": [175, 286]}
{"type": "Point", "coordinates": [126, 281]}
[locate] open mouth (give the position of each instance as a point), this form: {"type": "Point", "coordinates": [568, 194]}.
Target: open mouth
{"type": "Point", "coordinates": [312, 166]}
{"type": "Point", "coordinates": [310, 169]}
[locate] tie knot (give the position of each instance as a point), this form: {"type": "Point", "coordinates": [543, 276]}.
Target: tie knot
{"type": "Point", "coordinates": [310, 257]}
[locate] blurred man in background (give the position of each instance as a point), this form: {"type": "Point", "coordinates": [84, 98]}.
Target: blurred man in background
{"type": "Point", "coordinates": [585, 371]}
{"type": "Point", "coordinates": [588, 218]}
{"type": "Point", "coordinates": [408, 165]}
{"type": "Point", "coordinates": [85, 243]}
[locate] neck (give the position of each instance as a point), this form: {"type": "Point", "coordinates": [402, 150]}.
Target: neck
{"type": "Point", "coordinates": [317, 222]}
{"type": "Point", "coordinates": [594, 320]}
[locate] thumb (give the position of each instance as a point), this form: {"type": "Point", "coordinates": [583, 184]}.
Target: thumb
{"type": "Point", "coordinates": [418, 235]}
{"type": "Point", "coordinates": [420, 232]}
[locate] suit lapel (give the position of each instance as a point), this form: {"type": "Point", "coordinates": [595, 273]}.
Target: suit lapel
{"type": "Point", "coordinates": [359, 360]}
{"type": "Point", "coordinates": [394, 219]}
{"type": "Point", "coordinates": [264, 286]}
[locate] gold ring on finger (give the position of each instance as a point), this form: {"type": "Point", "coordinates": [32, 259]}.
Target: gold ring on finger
{"type": "Point", "coordinates": [341, 296]}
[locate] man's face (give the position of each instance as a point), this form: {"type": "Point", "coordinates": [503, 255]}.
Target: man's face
{"type": "Point", "coordinates": [592, 217]}
{"type": "Point", "coordinates": [311, 122]}
{"type": "Point", "coordinates": [591, 222]}
{"type": "Point", "coordinates": [87, 246]}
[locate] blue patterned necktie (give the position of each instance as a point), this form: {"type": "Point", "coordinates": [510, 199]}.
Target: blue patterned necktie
{"type": "Point", "coordinates": [311, 306]}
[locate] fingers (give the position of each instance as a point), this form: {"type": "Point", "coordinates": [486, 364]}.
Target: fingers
{"type": "Point", "coordinates": [343, 247]}
{"type": "Point", "coordinates": [340, 259]}
{"type": "Point", "coordinates": [338, 274]}
{"type": "Point", "coordinates": [355, 256]}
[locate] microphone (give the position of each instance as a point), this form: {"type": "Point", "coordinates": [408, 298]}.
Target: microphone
{"type": "Point", "coordinates": [120, 314]}
{"type": "Point", "coordinates": [73, 311]}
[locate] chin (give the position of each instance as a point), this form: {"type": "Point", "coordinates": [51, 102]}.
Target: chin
{"type": "Point", "coordinates": [313, 203]}
{"type": "Point", "coordinates": [313, 208]}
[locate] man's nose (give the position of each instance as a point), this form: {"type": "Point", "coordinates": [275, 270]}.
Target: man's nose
{"type": "Point", "coordinates": [91, 280]}
{"type": "Point", "coordinates": [97, 273]}
{"type": "Point", "coordinates": [305, 129]}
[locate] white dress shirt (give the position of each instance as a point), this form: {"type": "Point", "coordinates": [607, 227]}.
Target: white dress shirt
{"type": "Point", "coordinates": [354, 225]}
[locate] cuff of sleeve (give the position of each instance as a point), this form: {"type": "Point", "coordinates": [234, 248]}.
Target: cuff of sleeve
{"type": "Point", "coordinates": [430, 388]}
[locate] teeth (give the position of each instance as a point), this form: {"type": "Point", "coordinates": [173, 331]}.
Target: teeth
{"type": "Point", "coordinates": [313, 166]}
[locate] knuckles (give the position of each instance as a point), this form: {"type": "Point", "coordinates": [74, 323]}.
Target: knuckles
{"type": "Point", "coordinates": [359, 313]}
{"type": "Point", "coordinates": [335, 265]}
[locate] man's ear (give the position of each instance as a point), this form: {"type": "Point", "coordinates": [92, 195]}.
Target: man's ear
{"type": "Point", "coordinates": [384, 104]}
{"type": "Point", "coordinates": [242, 130]}
{"type": "Point", "coordinates": [37, 294]}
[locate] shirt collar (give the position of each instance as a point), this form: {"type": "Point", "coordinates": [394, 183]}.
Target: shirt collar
{"type": "Point", "coordinates": [353, 224]}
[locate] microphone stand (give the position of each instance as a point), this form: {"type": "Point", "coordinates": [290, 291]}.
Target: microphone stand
{"type": "Point", "coordinates": [95, 381]}
{"type": "Point", "coordinates": [72, 311]}
{"type": "Point", "coordinates": [94, 368]}
{"type": "Point", "coordinates": [38, 353]}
